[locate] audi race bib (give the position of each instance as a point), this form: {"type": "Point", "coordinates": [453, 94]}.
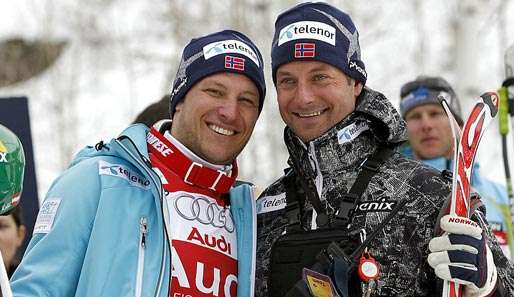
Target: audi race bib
{"type": "Point", "coordinates": [204, 246]}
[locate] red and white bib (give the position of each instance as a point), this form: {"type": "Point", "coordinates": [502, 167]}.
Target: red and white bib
{"type": "Point", "coordinates": [202, 234]}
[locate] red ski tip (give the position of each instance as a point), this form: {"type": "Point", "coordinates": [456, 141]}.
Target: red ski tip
{"type": "Point", "coordinates": [493, 101]}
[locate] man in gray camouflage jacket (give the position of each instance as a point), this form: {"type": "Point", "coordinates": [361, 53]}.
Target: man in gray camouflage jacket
{"type": "Point", "coordinates": [335, 124]}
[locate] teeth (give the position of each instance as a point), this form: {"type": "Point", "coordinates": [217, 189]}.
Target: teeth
{"type": "Point", "coordinates": [220, 130]}
{"type": "Point", "coordinates": [312, 114]}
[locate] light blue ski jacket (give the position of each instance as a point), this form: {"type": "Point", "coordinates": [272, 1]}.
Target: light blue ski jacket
{"type": "Point", "coordinates": [101, 231]}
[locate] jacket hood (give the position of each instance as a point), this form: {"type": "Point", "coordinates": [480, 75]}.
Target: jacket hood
{"type": "Point", "coordinates": [384, 120]}
{"type": "Point", "coordinates": [136, 132]}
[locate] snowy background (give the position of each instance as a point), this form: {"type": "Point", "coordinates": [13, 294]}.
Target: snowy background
{"type": "Point", "coordinates": [122, 55]}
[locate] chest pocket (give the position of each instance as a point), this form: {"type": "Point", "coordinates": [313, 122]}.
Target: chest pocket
{"type": "Point", "coordinates": [316, 250]}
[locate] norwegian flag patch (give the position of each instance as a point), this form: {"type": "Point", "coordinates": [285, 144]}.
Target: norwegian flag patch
{"type": "Point", "coordinates": [304, 50]}
{"type": "Point", "coordinates": [236, 63]}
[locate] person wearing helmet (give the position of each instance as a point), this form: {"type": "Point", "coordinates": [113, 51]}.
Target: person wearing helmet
{"type": "Point", "coordinates": [12, 168]}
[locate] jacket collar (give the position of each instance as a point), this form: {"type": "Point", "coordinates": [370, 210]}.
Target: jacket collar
{"type": "Point", "coordinates": [329, 151]}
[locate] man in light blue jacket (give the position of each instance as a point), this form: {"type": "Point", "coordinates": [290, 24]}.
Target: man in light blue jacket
{"type": "Point", "coordinates": [431, 141]}
{"type": "Point", "coordinates": [153, 212]}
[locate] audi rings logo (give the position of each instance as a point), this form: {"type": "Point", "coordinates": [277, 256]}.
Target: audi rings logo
{"type": "Point", "coordinates": [204, 211]}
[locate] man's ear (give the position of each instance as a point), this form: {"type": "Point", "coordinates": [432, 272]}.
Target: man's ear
{"type": "Point", "coordinates": [358, 88]}
{"type": "Point", "coordinates": [178, 107]}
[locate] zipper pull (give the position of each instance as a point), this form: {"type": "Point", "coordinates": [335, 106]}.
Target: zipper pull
{"type": "Point", "coordinates": [143, 229]}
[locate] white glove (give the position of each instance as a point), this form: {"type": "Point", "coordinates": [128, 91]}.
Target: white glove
{"type": "Point", "coordinates": [462, 256]}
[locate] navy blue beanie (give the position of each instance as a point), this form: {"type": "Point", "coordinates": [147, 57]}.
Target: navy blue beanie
{"type": "Point", "coordinates": [425, 90]}
{"type": "Point", "coordinates": [225, 51]}
{"type": "Point", "coordinates": [319, 32]}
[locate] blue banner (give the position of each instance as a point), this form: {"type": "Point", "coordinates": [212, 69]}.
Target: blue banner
{"type": "Point", "coordinates": [14, 114]}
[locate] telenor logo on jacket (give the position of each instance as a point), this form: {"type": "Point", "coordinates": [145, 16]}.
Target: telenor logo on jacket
{"type": "Point", "coordinates": [376, 206]}
{"type": "Point", "coordinates": [106, 168]}
{"type": "Point", "coordinates": [351, 132]}
{"type": "Point", "coordinates": [271, 203]}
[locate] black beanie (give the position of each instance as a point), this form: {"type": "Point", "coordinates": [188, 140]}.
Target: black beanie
{"type": "Point", "coordinates": [318, 32]}
{"type": "Point", "coordinates": [225, 51]}
{"type": "Point", "coordinates": [425, 90]}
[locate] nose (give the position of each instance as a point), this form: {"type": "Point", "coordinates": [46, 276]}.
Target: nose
{"type": "Point", "coordinates": [304, 94]}
{"type": "Point", "coordinates": [426, 123]}
{"type": "Point", "coordinates": [228, 109]}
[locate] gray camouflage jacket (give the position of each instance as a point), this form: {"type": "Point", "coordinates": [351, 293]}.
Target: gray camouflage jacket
{"type": "Point", "coordinates": [333, 161]}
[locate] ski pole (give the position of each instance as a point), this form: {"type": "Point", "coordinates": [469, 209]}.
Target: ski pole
{"type": "Point", "coordinates": [504, 111]}
{"type": "Point", "coordinates": [506, 93]}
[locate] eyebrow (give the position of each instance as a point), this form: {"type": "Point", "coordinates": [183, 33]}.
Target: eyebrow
{"type": "Point", "coordinates": [282, 72]}
{"type": "Point", "coordinates": [216, 84]}
{"type": "Point", "coordinates": [319, 68]}
{"type": "Point", "coordinates": [224, 87]}
{"type": "Point", "coordinates": [250, 92]}
{"type": "Point", "coordinates": [315, 69]}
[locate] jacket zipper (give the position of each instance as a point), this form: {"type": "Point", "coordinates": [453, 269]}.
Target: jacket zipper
{"type": "Point", "coordinates": [319, 178]}
{"type": "Point", "coordinates": [254, 247]}
{"type": "Point", "coordinates": [156, 182]}
{"type": "Point", "coordinates": [318, 181]}
{"type": "Point", "coordinates": [143, 230]}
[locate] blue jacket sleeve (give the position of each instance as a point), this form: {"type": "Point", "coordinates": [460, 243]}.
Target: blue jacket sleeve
{"type": "Point", "coordinates": [52, 263]}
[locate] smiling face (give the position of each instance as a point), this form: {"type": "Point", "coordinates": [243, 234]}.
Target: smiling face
{"type": "Point", "coordinates": [217, 116]}
{"type": "Point", "coordinates": [430, 134]}
{"type": "Point", "coordinates": [314, 96]}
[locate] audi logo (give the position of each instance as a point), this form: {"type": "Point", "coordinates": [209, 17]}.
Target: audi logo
{"type": "Point", "coordinates": [204, 211]}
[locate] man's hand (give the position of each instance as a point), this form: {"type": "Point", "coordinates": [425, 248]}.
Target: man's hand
{"type": "Point", "coordinates": [462, 256]}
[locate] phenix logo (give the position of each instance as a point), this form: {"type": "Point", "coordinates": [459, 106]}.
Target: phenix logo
{"type": "Point", "coordinates": [180, 85]}
{"type": "Point", "coordinates": [352, 64]}
{"type": "Point", "coordinates": [307, 30]}
{"type": "Point", "coordinates": [375, 206]}
{"type": "Point", "coordinates": [230, 46]}
{"type": "Point", "coordinates": [106, 168]}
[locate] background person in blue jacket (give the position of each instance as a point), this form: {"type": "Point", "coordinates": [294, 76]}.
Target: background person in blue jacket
{"type": "Point", "coordinates": [431, 141]}
{"type": "Point", "coordinates": [153, 212]}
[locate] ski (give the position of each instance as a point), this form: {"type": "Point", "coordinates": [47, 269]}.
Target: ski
{"type": "Point", "coordinates": [465, 148]}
